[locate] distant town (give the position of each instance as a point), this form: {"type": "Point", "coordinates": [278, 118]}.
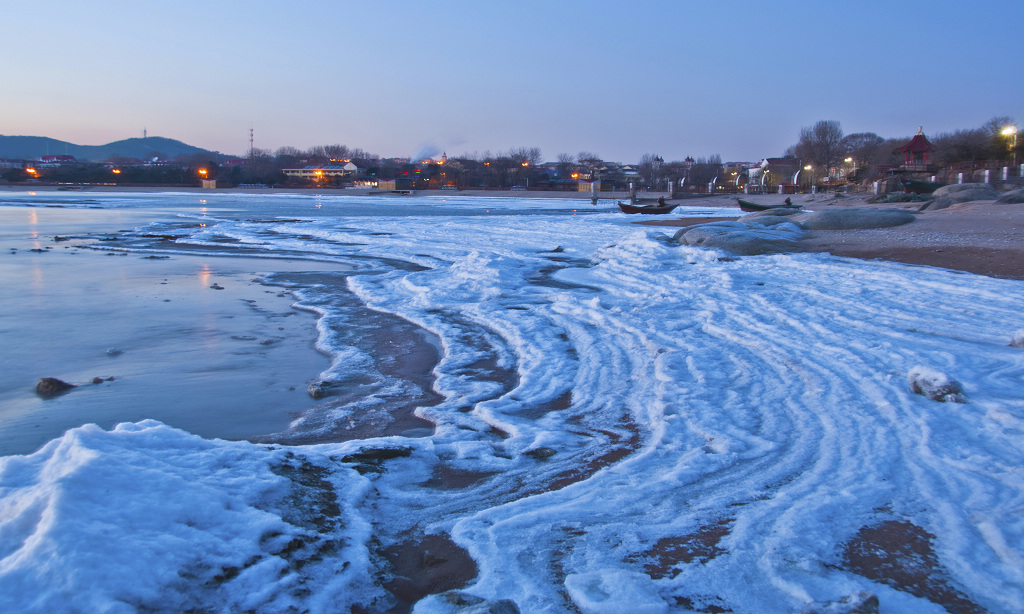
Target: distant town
{"type": "Point", "coordinates": [823, 157]}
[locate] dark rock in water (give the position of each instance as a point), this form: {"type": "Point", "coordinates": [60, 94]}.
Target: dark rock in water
{"type": "Point", "coordinates": [217, 286]}
{"type": "Point", "coordinates": [97, 380]}
{"type": "Point", "coordinates": [112, 352]}
{"type": "Point", "coordinates": [540, 453]}
{"type": "Point", "coordinates": [51, 387]}
{"type": "Point", "coordinates": [319, 390]}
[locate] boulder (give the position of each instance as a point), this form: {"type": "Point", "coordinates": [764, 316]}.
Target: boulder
{"type": "Point", "coordinates": [319, 390]}
{"type": "Point", "coordinates": [860, 603]}
{"type": "Point", "coordinates": [935, 385]}
{"type": "Point", "coordinates": [1015, 197]}
{"type": "Point", "coordinates": [759, 219]}
{"type": "Point", "coordinates": [744, 239]}
{"type": "Point", "coordinates": [950, 195]}
{"type": "Point", "coordinates": [458, 602]}
{"type": "Point", "coordinates": [853, 219]}
{"type": "Point", "coordinates": [49, 387]}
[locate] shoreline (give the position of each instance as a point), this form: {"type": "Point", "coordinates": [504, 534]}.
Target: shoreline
{"type": "Point", "coordinates": [974, 237]}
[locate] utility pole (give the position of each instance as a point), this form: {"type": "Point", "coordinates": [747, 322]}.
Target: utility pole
{"type": "Point", "coordinates": [252, 154]}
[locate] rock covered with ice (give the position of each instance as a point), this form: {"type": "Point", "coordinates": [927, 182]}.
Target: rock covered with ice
{"type": "Point", "coordinates": [744, 239]}
{"type": "Point", "coordinates": [935, 385]}
{"type": "Point", "coordinates": [860, 603]}
{"type": "Point", "coordinates": [613, 591]}
{"type": "Point", "coordinates": [1017, 340]}
{"type": "Point", "coordinates": [950, 195]}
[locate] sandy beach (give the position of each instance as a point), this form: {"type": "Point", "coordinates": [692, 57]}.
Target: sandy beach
{"type": "Point", "coordinates": [977, 237]}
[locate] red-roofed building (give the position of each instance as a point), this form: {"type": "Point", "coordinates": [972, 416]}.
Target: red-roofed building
{"type": "Point", "coordinates": [915, 153]}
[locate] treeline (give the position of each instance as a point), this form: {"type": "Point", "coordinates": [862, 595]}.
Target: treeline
{"type": "Point", "coordinates": [826, 148]}
{"type": "Point", "coordinates": [823, 146]}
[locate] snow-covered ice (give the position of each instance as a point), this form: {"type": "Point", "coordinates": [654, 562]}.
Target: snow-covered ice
{"type": "Point", "coordinates": [636, 426]}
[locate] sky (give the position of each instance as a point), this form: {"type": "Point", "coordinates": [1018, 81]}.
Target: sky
{"type": "Point", "coordinates": [399, 78]}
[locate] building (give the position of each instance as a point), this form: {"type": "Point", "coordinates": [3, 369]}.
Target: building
{"type": "Point", "coordinates": [915, 153]}
{"type": "Point", "coordinates": [320, 172]}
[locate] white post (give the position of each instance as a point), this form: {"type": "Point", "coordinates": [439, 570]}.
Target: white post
{"type": "Point", "coordinates": [1006, 173]}
{"type": "Point", "coordinates": [988, 175]}
{"type": "Point", "coordinates": [959, 177]}
{"type": "Point", "coordinates": [782, 190]}
{"type": "Point", "coordinates": [878, 187]}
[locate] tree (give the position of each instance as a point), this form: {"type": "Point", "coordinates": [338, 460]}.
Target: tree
{"type": "Point", "coordinates": [821, 145]}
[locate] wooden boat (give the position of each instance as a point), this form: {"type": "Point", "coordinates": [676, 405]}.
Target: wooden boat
{"type": "Point", "coordinates": [648, 209]}
{"type": "Point", "coordinates": [912, 186]}
{"type": "Point", "coordinates": [746, 205]}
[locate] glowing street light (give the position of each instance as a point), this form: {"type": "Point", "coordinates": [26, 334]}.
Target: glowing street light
{"type": "Point", "coordinates": [1008, 132]}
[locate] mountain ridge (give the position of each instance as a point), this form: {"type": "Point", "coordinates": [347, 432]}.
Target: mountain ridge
{"type": "Point", "coordinates": [145, 148]}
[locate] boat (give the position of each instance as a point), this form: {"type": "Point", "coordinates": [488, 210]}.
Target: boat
{"type": "Point", "coordinates": [647, 209]}
{"type": "Point", "coordinates": [746, 205]}
{"type": "Point", "coordinates": [913, 186]}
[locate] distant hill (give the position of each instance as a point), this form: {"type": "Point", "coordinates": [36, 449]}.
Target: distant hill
{"type": "Point", "coordinates": [33, 147]}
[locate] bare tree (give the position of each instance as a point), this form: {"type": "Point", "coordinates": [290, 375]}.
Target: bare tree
{"type": "Point", "coordinates": [821, 145]}
{"type": "Point", "coordinates": [337, 152]}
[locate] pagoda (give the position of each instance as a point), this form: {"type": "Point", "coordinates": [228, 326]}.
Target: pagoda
{"type": "Point", "coordinates": [915, 153]}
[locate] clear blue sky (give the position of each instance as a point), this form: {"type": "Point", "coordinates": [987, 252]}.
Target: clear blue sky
{"type": "Point", "coordinates": [619, 79]}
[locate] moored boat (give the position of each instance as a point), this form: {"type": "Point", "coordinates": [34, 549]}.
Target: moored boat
{"type": "Point", "coordinates": [647, 209]}
{"type": "Point", "coordinates": [746, 205]}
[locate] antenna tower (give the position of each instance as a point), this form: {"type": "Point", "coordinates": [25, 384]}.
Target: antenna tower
{"type": "Point", "coordinates": [252, 152]}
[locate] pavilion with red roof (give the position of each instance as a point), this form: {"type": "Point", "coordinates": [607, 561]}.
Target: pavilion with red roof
{"type": "Point", "coordinates": [915, 153]}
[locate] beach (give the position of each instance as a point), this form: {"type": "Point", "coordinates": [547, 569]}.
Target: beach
{"type": "Point", "coordinates": [526, 402]}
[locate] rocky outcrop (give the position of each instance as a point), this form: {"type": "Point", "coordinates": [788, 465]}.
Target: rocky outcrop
{"type": "Point", "coordinates": [1015, 197]}
{"type": "Point", "coordinates": [950, 195]}
{"type": "Point", "coordinates": [853, 219]}
{"type": "Point", "coordinates": [744, 239]}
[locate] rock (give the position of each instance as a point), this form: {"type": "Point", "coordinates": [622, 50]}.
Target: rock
{"type": "Point", "coordinates": [458, 602]}
{"type": "Point", "coordinates": [760, 219]}
{"type": "Point", "coordinates": [540, 453]}
{"type": "Point", "coordinates": [779, 212]}
{"type": "Point", "coordinates": [319, 390]}
{"type": "Point", "coordinates": [861, 603]}
{"type": "Point", "coordinates": [744, 239]}
{"type": "Point", "coordinates": [112, 352]}
{"type": "Point", "coordinates": [950, 195]}
{"type": "Point", "coordinates": [48, 387]}
{"type": "Point", "coordinates": [1015, 197]}
{"type": "Point", "coordinates": [217, 286]}
{"type": "Point", "coordinates": [1017, 340]}
{"type": "Point", "coordinates": [97, 380]}
{"type": "Point", "coordinates": [935, 385]}
{"type": "Point", "coordinates": [853, 219]}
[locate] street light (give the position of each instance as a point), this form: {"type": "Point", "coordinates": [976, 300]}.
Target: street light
{"type": "Point", "coordinates": [1008, 132]}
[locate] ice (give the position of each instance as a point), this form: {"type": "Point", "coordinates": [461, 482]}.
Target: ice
{"type": "Point", "coordinates": [621, 423]}
{"type": "Point", "coordinates": [610, 591]}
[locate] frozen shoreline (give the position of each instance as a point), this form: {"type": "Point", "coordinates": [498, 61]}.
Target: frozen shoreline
{"type": "Point", "coordinates": [622, 421]}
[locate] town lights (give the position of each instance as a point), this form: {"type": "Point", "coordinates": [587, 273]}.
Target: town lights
{"type": "Point", "coordinates": [203, 172]}
{"type": "Point", "coordinates": [116, 171]}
